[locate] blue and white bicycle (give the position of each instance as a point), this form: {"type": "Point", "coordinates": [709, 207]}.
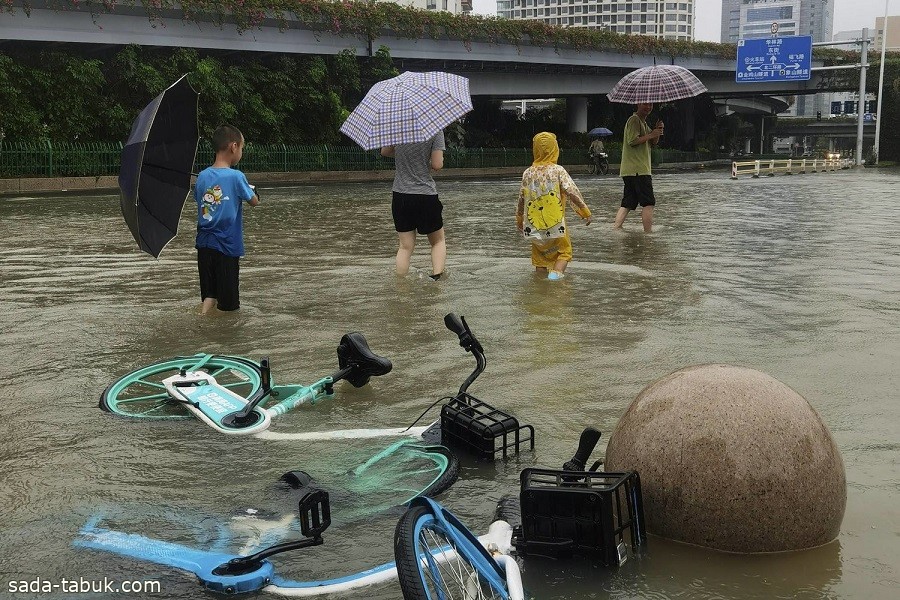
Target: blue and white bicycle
{"type": "Point", "coordinates": [436, 557]}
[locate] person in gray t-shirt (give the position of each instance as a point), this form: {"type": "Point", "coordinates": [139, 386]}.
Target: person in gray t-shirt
{"type": "Point", "coordinates": [415, 205]}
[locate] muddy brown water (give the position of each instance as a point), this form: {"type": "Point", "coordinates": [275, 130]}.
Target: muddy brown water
{"type": "Point", "coordinates": [796, 276]}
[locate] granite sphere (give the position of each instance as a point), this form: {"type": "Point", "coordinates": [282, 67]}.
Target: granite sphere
{"type": "Point", "coordinates": [732, 459]}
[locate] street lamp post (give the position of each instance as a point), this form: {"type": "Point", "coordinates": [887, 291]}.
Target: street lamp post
{"type": "Point", "coordinates": [884, 30]}
{"type": "Point", "coordinates": [864, 64]}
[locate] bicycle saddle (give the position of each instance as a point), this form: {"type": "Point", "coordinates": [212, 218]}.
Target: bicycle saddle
{"type": "Point", "coordinates": [354, 353]}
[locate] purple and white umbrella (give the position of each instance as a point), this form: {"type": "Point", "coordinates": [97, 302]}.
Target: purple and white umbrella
{"type": "Point", "coordinates": [409, 108]}
{"type": "Point", "coordinates": [659, 83]}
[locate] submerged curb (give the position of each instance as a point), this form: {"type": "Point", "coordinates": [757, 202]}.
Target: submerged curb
{"type": "Point", "coordinates": [28, 186]}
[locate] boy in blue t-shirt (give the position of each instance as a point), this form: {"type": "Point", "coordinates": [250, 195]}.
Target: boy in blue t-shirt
{"type": "Point", "coordinates": [220, 193]}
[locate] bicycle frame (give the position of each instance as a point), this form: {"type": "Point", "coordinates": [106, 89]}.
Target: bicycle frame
{"type": "Point", "coordinates": [214, 404]}
{"type": "Point", "coordinates": [202, 563]}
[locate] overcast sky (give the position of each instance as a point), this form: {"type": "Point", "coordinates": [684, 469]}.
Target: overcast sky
{"type": "Point", "coordinates": [848, 14]}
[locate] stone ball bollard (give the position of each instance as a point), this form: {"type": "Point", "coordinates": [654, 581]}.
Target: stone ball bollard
{"type": "Point", "coordinates": [732, 459]}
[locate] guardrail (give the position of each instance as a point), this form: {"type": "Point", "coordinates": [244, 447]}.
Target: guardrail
{"type": "Point", "coordinates": [770, 167]}
{"type": "Point", "coordinates": [81, 159]}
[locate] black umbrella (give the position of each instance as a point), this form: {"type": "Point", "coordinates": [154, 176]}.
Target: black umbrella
{"type": "Point", "coordinates": [157, 161]}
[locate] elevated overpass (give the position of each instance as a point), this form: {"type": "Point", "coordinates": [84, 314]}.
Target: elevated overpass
{"type": "Point", "coordinates": [498, 70]}
{"type": "Point", "coordinates": [842, 129]}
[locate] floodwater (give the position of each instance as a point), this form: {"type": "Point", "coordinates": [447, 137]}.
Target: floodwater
{"type": "Point", "coordinates": [797, 276]}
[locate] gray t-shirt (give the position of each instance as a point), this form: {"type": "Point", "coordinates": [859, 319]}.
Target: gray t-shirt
{"type": "Point", "coordinates": [413, 166]}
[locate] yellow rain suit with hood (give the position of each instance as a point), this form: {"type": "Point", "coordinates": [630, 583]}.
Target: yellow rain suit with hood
{"type": "Point", "coordinates": [541, 212]}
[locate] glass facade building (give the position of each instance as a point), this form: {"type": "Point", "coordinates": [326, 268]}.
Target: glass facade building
{"type": "Point", "coordinates": [754, 18]}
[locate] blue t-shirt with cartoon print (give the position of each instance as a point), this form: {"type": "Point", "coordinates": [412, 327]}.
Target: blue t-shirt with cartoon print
{"type": "Point", "coordinates": [220, 193]}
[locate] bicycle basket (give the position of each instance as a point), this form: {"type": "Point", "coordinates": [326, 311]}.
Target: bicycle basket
{"type": "Point", "coordinates": [474, 426]}
{"type": "Point", "coordinates": [566, 512]}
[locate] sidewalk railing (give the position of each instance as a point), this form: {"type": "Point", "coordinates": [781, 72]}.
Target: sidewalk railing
{"type": "Point", "coordinates": [756, 168]}
{"type": "Point", "coordinates": [46, 159]}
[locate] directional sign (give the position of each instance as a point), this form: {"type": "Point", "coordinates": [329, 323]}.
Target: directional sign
{"type": "Point", "coordinates": [785, 58]}
{"type": "Point", "coordinates": [868, 118]}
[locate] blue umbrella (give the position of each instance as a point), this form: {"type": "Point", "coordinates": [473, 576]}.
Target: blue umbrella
{"type": "Point", "coordinates": [599, 131]}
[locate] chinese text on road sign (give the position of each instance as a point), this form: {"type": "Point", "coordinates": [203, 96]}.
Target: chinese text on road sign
{"type": "Point", "coordinates": [786, 58]}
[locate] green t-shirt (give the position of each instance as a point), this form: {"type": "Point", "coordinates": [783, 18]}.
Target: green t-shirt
{"type": "Point", "coordinates": [635, 159]}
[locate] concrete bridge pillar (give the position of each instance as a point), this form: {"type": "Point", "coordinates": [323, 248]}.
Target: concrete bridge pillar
{"type": "Point", "coordinates": [687, 119]}
{"type": "Point", "coordinates": [577, 114]}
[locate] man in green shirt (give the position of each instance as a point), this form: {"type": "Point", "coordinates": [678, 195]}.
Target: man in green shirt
{"type": "Point", "coordinates": [635, 167]}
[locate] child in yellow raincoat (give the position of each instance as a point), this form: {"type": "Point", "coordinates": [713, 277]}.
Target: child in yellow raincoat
{"type": "Point", "coordinates": [541, 212]}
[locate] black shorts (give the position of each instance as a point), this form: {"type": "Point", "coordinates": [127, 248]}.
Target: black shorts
{"type": "Point", "coordinates": [421, 212]}
{"type": "Point", "coordinates": [218, 278]}
{"type": "Point", "coordinates": [638, 190]}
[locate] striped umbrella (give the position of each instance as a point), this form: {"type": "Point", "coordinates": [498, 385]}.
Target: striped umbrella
{"type": "Point", "coordinates": [409, 108]}
{"type": "Point", "coordinates": [659, 83]}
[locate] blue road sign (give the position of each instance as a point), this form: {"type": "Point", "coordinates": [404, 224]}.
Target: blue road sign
{"type": "Point", "coordinates": [785, 58]}
{"type": "Point", "coordinates": [868, 118]}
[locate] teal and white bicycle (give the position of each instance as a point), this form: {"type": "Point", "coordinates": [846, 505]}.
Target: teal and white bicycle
{"type": "Point", "coordinates": [231, 394]}
{"type": "Point", "coordinates": [238, 396]}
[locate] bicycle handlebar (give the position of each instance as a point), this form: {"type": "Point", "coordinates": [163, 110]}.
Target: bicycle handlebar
{"type": "Point", "coordinates": [467, 340]}
{"type": "Point", "coordinates": [455, 324]}
{"type": "Point", "coordinates": [246, 417]}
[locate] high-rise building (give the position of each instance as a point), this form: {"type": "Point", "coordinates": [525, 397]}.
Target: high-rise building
{"type": "Point", "coordinates": [891, 33]}
{"type": "Point", "coordinates": [754, 18]}
{"type": "Point", "coordinates": [453, 6]}
{"type": "Point", "coordinates": [670, 20]}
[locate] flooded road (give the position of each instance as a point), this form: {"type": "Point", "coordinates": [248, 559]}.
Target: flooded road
{"type": "Point", "coordinates": [797, 276]}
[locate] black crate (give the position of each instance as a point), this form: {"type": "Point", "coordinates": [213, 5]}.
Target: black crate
{"type": "Point", "coordinates": [474, 426]}
{"type": "Point", "coordinates": [569, 512]}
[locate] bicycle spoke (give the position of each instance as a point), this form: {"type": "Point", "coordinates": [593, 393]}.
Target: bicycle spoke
{"type": "Point", "coordinates": [150, 383]}
{"type": "Point", "coordinates": [444, 569]}
{"type": "Point", "coordinates": [143, 398]}
{"type": "Point", "coordinates": [159, 406]}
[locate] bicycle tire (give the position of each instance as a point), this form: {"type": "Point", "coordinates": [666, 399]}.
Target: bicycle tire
{"type": "Point", "coordinates": [604, 168]}
{"type": "Point", "coordinates": [448, 477]}
{"type": "Point", "coordinates": [141, 393]}
{"type": "Point", "coordinates": [433, 563]}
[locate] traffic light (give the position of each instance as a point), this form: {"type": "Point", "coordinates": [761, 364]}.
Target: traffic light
{"type": "Point", "coordinates": [818, 115]}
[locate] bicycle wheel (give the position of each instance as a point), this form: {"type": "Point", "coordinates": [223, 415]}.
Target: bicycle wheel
{"type": "Point", "coordinates": [440, 560]}
{"type": "Point", "coordinates": [141, 393]}
{"type": "Point", "coordinates": [405, 468]}
{"type": "Point", "coordinates": [604, 167]}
